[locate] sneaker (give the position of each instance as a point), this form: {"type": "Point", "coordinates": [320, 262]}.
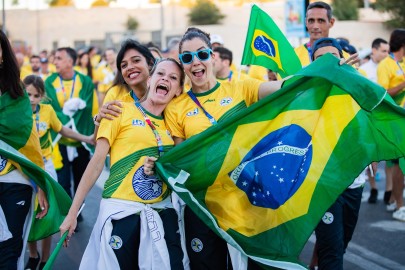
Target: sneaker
{"type": "Point", "coordinates": [32, 263]}
{"type": "Point", "coordinates": [387, 196]}
{"type": "Point", "coordinates": [373, 196]}
{"type": "Point", "coordinates": [399, 214]}
{"type": "Point", "coordinates": [391, 207]}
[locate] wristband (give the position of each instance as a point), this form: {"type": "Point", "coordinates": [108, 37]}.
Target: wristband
{"type": "Point", "coordinates": [95, 120]}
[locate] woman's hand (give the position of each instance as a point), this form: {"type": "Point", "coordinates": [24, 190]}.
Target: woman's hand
{"type": "Point", "coordinates": [43, 203]}
{"type": "Point", "coordinates": [148, 165]}
{"type": "Point", "coordinates": [90, 139]}
{"type": "Point", "coordinates": [109, 110]}
{"type": "Point", "coordinates": [69, 224]}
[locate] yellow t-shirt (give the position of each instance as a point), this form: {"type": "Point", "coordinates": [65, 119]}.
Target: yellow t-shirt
{"type": "Point", "coordinates": [184, 118]}
{"type": "Point", "coordinates": [104, 75]}
{"type": "Point", "coordinates": [46, 121]}
{"type": "Point", "coordinates": [258, 72]}
{"type": "Point", "coordinates": [389, 75]}
{"type": "Point", "coordinates": [131, 139]}
{"type": "Point", "coordinates": [25, 71]}
{"type": "Point", "coordinates": [118, 92]}
{"type": "Point", "coordinates": [81, 70]}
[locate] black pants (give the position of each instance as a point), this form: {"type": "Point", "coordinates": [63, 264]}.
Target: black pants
{"type": "Point", "coordinates": [205, 249]}
{"type": "Point", "coordinates": [128, 230]}
{"type": "Point", "coordinates": [15, 200]}
{"type": "Point", "coordinates": [336, 228]}
{"type": "Point", "coordinates": [77, 167]}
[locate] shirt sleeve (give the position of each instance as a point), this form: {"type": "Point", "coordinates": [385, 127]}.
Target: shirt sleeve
{"type": "Point", "coordinates": [109, 129]}
{"type": "Point", "coordinates": [54, 122]}
{"type": "Point", "coordinates": [250, 90]}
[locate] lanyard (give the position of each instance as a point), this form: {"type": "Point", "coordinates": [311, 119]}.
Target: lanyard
{"type": "Point", "coordinates": [37, 118]}
{"type": "Point", "coordinates": [150, 124]}
{"type": "Point", "coordinates": [63, 88]}
{"type": "Point", "coordinates": [309, 48]}
{"type": "Point", "coordinates": [230, 76]}
{"type": "Point", "coordinates": [399, 65]}
{"type": "Point", "coordinates": [194, 98]}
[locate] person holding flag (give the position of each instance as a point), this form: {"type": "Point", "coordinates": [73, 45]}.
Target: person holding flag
{"type": "Point", "coordinates": [205, 104]}
{"type": "Point", "coordinates": [17, 133]}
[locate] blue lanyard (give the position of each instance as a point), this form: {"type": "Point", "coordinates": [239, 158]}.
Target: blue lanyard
{"type": "Point", "coordinates": [63, 88]}
{"type": "Point", "coordinates": [230, 76]}
{"type": "Point", "coordinates": [309, 48]}
{"type": "Point", "coordinates": [150, 124]}
{"type": "Point", "coordinates": [194, 98]}
{"type": "Point", "coordinates": [399, 65]}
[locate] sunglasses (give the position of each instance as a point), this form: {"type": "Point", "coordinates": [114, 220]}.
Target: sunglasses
{"type": "Point", "coordinates": [202, 55]}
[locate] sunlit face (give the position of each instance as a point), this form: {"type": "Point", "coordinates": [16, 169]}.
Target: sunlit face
{"type": "Point", "coordinates": [218, 64]}
{"type": "Point", "coordinates": [318, 23]}
{"type": "Point", "coordinates": [380, 53]}
{"type": "Point", "coordinates": [164, 83]}
{"type": "Point", "coordinates": [35, 64]}
{"type": "Point", "coordinates": [33, 94]}
{"type": "Point", "coordinates": [199, 72]}
{"type": "Point", "coordinates": [110, 57]}
{"type": "Point", "coordinates": [324, 50]}
{"type": "Point", "coordinates": [134, 68]}
{"type": "Point", "coordinates": [84, 60]}
{"type": "Point", "coordinates": [62, 61]}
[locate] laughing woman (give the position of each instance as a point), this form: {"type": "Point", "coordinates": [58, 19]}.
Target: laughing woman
{"type": "Point", "coordinates": [137, 225]}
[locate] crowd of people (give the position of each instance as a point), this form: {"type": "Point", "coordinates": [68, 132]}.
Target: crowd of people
{"type": "Point", "coordinates": [133, 105]}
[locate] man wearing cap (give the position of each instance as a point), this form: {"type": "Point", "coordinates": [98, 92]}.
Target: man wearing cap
{"type": "Point", "coordinates": [45, 72]}
{"type": "Point", "coordinates": [336, 228]}
{"type": "Point", "coordinates": [216, 41]}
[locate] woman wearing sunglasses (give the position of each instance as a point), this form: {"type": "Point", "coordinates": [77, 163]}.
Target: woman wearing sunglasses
{"type": "Point", "coordinates": [205, 104]}
{"type": "Point", "coordinates": [137, 226]}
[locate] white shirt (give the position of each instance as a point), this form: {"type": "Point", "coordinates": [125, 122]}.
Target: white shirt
{"type": "Point", "coordinates": [371, 70]}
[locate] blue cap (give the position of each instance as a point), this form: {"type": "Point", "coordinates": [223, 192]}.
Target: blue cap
{"type": "Point", "coordinates": [324, 42]}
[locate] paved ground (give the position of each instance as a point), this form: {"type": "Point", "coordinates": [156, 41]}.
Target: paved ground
{"type": "Point", "coordinates": [378, 242]}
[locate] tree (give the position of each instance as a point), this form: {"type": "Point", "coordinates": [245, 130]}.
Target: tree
{"type": "Point", "coordinates": [396, 9]}
{"type": "Point", "coordinates": [132, 23]}
{"type": "Point", "coordinates": [60, 3]}
{"type": "Point", "coordinates": [346, 10]}
{"type": "Point", "coordinates": [205, 12]}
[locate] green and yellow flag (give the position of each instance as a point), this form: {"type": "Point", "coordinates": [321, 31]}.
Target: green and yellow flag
{"type": "Point", "coordinates": [263, 178]}
{"type": "Point", "coordinates": [20, 149]}
{"type": "Point", "coordinates": [266, 45]}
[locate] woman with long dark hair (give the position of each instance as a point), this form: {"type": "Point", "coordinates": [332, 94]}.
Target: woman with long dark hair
{"type": "Point", "coordinates": [17, 130]}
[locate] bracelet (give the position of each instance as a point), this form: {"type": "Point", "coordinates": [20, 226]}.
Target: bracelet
{"type": "Point", "coordinates": [95, 120]}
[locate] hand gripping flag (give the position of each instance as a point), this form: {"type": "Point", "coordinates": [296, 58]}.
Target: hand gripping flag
{"type": "Point", "coordinates": [266, 45]}
{"type": "Point", "coordinates": [263, 178]}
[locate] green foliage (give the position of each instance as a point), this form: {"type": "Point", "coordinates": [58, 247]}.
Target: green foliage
{"type": "Point", "coordinates": [396, 9]}
{"type": "Point", "coordinates": [345, 10]}
{"type": "Point", "coordinates": [132, 23]}
{"type": "Point", "coordinates": [205, 12]}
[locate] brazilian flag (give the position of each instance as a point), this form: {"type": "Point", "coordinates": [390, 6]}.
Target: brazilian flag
{"type": "Point", "coordinates": [266, 45]}
{"type": "Point", "coordinates": [263, 178]}
{"type": "Point", "coordinates": [20, 149]}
